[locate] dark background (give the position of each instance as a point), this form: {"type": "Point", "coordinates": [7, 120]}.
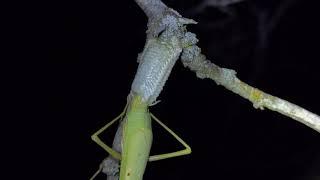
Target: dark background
{"type": "Point", "coordinates": [89, 52]}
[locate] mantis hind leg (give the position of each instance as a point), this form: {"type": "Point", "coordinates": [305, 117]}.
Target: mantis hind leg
{"type": "Point", "coordinates": [185, 151]}
{"type": "Point", "coordinates": [96, 173]}
{"type": "Point", "coordinates": [95, 136]}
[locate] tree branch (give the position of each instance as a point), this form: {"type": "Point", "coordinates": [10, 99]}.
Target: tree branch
{"type": "Point", "coordinates": [195, 61]}
{"type": "Point", "coordinates": [152, 8]}
{"type": "Point", "coordinates": [161, 18]}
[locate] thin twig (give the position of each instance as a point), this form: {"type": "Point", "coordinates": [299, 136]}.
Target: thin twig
{"type": "Point", "coordinates": [227, 78]}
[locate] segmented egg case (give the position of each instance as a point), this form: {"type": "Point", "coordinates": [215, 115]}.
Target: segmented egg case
{"type": "Point", "coordinates": [156, 63]}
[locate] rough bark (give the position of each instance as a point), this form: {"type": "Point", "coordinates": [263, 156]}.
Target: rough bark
{"type": "Point", "coordinates": [195, 61]}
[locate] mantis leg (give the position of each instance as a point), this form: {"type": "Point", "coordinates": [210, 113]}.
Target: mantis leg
{"type": "Point", "coordinates": [185, 151]}
{"type": "Point", "coordinates": [107, 148]}
{"type": "Point", "coordinates": [96, 173]}
{"type": "Point", "coordinates": [95, 138]}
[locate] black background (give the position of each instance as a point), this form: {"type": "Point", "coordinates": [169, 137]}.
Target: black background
{"type": "Point", "coordinates": [89, 50]}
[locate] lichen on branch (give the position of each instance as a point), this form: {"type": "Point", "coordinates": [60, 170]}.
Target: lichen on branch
{"type": "Point", "coordinates": [195, 61]}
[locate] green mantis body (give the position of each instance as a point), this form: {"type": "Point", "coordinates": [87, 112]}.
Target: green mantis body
{"type": "Point", "coordinates": [156, 62]}
{"type": "Point", "coordinates": [137, 135]}
{"type": "Point", "coordinates": [137, 140]}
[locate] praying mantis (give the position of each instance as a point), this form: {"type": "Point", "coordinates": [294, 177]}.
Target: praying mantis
{"type": "Point", "coordinates": [155, 64]}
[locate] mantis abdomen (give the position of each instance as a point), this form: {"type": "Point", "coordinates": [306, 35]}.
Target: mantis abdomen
{"type": "Point", "coordinates": [137, 140]}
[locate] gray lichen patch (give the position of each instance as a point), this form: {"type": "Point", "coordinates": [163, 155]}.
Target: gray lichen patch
{"type": "Point", "coordinates": [110, 166]}
{"type": "Point", "coordinates": [189, 39]}
{"type": "Point", "coordinates": [169, 21]}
